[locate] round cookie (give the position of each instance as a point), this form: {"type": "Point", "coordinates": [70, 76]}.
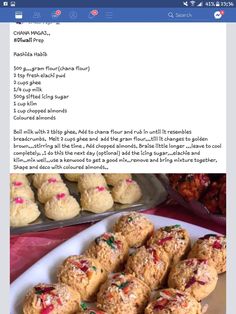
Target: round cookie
{"type": "Point", "coordinates": [173, 301]}
{"type": "Point", "coordinates": [23, 212]}
{"type": "Point", "coordinates": [149, 265]}
{"type": "Point", "coordinates": [62, 206]}
{"type": "Point", "coordinates": [51, 298]}
{"type": "Point", "coordinates": [19, 189]}
{"type": "Point", "coordinates": [213, 248]}
{"type": "Point", "coordinates": [111, 250]}
{"type": "Point", "coordinates": [114, 178]}
{"type": "Point", "coordinates": [90, 180]}
{"type": "Point", "coordinates": [96, 200]}
{"type": "Point", "coordinates": [40, 178]}
{"type": "Point", "coordinates": [84, 274]}
{"type": "Point", "coordinates": [50, 188]}
{"type": "Point", "coordinates": [174, 240]}
{"type": "Point", "coordinates": [73, 177]}
{"type": "Point", "coordinates": [126, 192]}
{"type": "Point", "coordinates": [135, 227]}
{"type": "Point", "coordinates": [195, 276]}
{"type": "Point", "coordinates": [122, 294]}
{"type": "Point", "coordinates": [16, 177]}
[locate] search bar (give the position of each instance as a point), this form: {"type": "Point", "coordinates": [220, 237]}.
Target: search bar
{"type": "Point", "coordinates": [180, 15]}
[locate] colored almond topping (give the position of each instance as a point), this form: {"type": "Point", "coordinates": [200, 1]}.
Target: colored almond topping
{"type": "Point", "coordinates": [202, 261]}
{"type": "Point", "coordinates": [217, 245]}
{"type": "Point", "coordinates": [47, 309]}
{"type": "Point", "coordinates": [60, 196]}
{"type": "Point", "coordinates": [118, 275]}
{"type": "Point", "coordinates": [170, 228]}
{"type": "Point", "coordinates": [169, 298]}
{"type": "Point", "coordinates": [110, 241]}
{"type": "Point", "coordinates": [123, 285]}
{"type": "Point", "coordinates": [192, 281]}
{"type": "Point", "coordinates": [83, 265]}
{"type": "Point", "coordinates": [166, 292]}
{"type": "Point", "coordinates": [129, 181]}
{"type": "Point", "coordinates": [154, 255]}
{"type": "Point", "coordinates": [100, 188]}
{"type": "Point", "coordinates": [19, 200]}
{"type": "Point", "coordinates": [17, 183]}
{"type": "Point", "coordinates": [83, 306]}
{"type": "Point", "coordinates": [201, 282]}
{"type": "Point", "coordinates": [207, 236]}
{"type": "Point", "coordinates": [42, 290]}
{"type": "Point", "coordinates": [164, 240]}
{"type": "Point", "coordinates": [189, 262]}
{"type": "Point", "coordinates": [52, 180]}
{"type": "Point", "coordinates": [161, 304]}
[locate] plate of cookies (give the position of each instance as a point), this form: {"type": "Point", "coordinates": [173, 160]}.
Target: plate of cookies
{"type": "Point", "coordinates": [45, 201]}
{"type": "Point", "coordinates": [128, 262]}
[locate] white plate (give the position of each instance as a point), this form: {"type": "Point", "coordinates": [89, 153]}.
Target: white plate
{"type": "Point", "coordinates": [44, 270]}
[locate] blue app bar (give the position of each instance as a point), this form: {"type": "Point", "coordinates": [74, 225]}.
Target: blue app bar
{"type": "Point", "coordinates": [113, 3]}
{"type": "Point", "coordinates": [55, 15]}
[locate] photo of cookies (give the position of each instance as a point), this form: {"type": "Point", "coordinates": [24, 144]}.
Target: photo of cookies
{"type": "Point", "coordinates": [162, 258]}
{"type": "Point", "coordinates": [76, 198]}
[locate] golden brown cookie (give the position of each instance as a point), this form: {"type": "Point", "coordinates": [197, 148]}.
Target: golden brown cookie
{"type": "Point", "coordinates": [135, 227]}
{"type": "Point", "coordinates": [195, 276]}
{"type": "Point", "coordinates": [213, 248]}
{"type": "Point", "coordinates": [111, 250]}
{"type": "Point", "coordinates": [84, 274]}
{"type": "Point", "coordinates": [51, 298]}
{"type": "Point", "coordinates": [173, 301]}
{"type": "Point", "coordinates": [149, 265]}
{"type": "Point", "coordinates": [122, 294]}
{"type": "Point", "coordinates": [174, 240]}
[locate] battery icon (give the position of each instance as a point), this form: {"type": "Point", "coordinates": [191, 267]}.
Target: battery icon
{"type": "Point", "coordinates": [217, 4]}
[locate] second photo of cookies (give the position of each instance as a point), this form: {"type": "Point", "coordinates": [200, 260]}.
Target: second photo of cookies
{"type": "Point", "coordinates": [39, 201]}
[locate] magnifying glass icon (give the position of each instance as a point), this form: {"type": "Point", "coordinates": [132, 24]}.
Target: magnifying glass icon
{"type": "Point", "coordinates": [170, 14]}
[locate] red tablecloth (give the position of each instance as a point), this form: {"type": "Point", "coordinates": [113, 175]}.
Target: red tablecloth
{"type": "Point", "coordinates": [28, 248]}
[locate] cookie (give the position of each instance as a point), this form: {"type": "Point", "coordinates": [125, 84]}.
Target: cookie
{"type": "Point", "coordinates": [194, 276]}
{"type": "Point", "coordinates": [62, 206]}
{"type": "Point", "coordinates": [96, 200]}
{"type": "Point", "coordinates": [111, 250]}
{"type": "Point", "coordinates": [122, 294]}
{"type": "Point", "coordinates": [135, 227]}
{"type": "Point", "coordinates": [174, 240]}
{"type": "Point", "coordinates": [213, 248]}
{"type": "Point", "coordinates": [83, 274]}
{"type": "Point", "coordinates": [149, 265]}
{"type": "Point", "coordinates": [126, 192]}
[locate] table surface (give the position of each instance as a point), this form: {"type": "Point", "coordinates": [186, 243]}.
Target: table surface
{"type": "Point", "coordinates": [28, 248]}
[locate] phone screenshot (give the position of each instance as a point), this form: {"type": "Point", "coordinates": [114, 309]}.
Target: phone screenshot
{"type": "Point", "coordinates": [117, 122]}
